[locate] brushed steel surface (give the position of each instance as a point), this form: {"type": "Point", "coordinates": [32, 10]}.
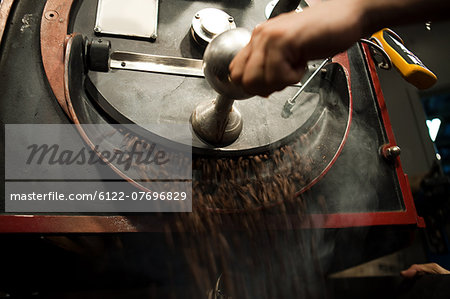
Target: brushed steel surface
{"type": "Point", "coordinates": [134, 18]}
{"type": "Point", "coordinates": [218, 56]}
{"type": "Point", "coordinates": [156, 63]}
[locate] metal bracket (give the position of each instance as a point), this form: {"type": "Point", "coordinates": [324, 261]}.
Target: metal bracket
{"type": "Point", "coordinates": [377, 51]}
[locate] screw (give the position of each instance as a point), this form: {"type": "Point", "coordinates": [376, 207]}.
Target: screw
{"type": "Point", "coordinates": [231, 19]}
{"type": "Point", "coordinates": [97, 29]}
{"type": "Point", "coordinates": [51, 15]}
{"type": "Point", "coordinates": [197, 16]}
{"type": "Point", "coordinates": [123, 64]}
{"type": "Point", "coordinates": [390, 152]}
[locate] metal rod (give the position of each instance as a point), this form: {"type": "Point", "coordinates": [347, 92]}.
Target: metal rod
{"type": "Point", "coordinates": [290, 103]}
{"type": "Point", "coordinates": [223, 104]}
{"type": "Point", "coordinates": [159, 64]}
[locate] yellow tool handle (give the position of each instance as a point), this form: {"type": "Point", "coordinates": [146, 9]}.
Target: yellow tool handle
{"type": "Point", "coordinates": [409, 66]}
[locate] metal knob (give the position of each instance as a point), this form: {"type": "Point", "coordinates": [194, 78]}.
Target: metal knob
{"type": "Point", "coordinates": [389, 152]}
{"type": "Point", "coordinates": [218, 122]}
{"type": "Point", "coordinates": [208, 23]}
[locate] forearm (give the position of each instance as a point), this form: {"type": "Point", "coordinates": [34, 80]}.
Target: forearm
{"type": "Point", "coordinates": [377, 14]}
{"type": "Point", "coordinates": [280, 48]}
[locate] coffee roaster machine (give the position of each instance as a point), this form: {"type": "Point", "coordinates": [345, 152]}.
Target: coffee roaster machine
{"type": "Point", "coordinates": [356, 165]}
{"type": "Point", "coordinates": [62, 63]}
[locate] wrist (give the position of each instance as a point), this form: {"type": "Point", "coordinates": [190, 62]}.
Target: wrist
{"type": "Point", "coordinates": [360, 16]}
{"type": "Point", "coordinates": [368, 16]}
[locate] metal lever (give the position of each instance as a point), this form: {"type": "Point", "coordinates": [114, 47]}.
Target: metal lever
{"type": "Point", "coordinates": [290, 103]}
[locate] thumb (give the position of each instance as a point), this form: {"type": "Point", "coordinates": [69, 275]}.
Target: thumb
{"type": "Point", "coordinates": [409, 273]}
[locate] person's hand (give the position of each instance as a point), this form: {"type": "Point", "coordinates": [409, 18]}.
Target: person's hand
{"type": "Point", "coordinates": [279, 49]}
{"type": "Point", "coordinates": [421, 269]}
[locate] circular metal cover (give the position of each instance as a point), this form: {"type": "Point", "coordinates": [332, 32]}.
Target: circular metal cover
{"type": "Point", "coordinates": [209, 22]}
{"type": "Point", "coordinates": [147, 99]}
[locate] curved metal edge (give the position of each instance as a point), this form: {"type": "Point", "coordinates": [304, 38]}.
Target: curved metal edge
{"type": "Point", "coordinates": [5, 9]}
{"type": "Point", "coordinates": [343, 60]}
{"type": "Point", "coordinates": [54, 24]}
{"type": "Point", "coordinates": [76, 121]}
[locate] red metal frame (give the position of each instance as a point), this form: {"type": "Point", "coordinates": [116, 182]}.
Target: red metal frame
{"type": "Point", "coordinates": [409, 215]}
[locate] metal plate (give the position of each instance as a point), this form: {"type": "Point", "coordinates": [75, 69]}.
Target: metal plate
{"type": "Point", "coordinates": [134, 18]}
